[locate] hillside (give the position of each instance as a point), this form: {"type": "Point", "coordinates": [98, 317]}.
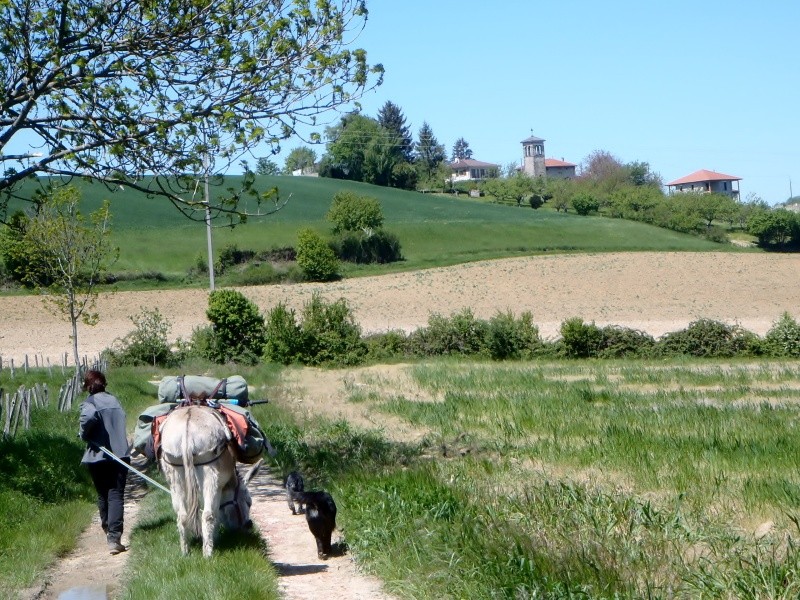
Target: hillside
{"type": "Point", "coordinates": [434, 230]}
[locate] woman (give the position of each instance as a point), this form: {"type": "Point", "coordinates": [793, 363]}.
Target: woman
{"type": "Point", "coordinates": [102, 424]}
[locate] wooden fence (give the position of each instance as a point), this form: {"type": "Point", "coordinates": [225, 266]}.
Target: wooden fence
{"type": "Point", "coordinates": [15, 410]}
{"type": "Point", "coordinates": [39, 362]}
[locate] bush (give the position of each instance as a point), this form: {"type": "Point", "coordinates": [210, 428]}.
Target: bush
{"type": "Point", "coordinates": [510, 338]}
{"type": "Point", "coordinates": [388, 345]}
{"type": "Point", "coordinates": [231, 256]}
{"type": "Point", "coordinates": [783, 338]}
{"type": "Point", "coordinates": [352, 212]}
{"type": "Point", "coordinates": [716, 234]}
{"type": "Point", "coordinates": [621, 342]}
{"type": "Point", "coordinates": [585, 204]}
{"type": "Point", "coordinates": [330, 334]}
{"type": "Point", "coordinates": [317, 260]}
{"type": "Point", "coordinates": [462, 334]}
{"type": "Point", "coordinates": [709, 338]}
{"type": "Point", "coordinates": [579, 339]}
{"type": "Point", "coordinates": [284, 338]}
{"type": "Point", "coordinates": [381, 247]}
{"type": "Point", "coordinates": [147, 344]}
{"type": "Point", "coordinates": [238, 328]}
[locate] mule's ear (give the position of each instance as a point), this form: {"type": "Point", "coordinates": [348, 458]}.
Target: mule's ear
{"type": "Point", "coordinates": [252, 471]}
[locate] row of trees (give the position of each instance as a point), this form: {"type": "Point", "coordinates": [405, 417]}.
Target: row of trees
{"type": "Point", "coordinates": [633, 191]}
{"type": "Point", "coordinates": [379, 150]}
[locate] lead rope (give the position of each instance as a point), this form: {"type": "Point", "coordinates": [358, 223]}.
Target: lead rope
{"type": "Point", "coordinates": [130, 468]}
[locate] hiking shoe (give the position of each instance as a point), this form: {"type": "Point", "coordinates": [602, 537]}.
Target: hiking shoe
{"type": "Point", "coordinates": [116, 548]}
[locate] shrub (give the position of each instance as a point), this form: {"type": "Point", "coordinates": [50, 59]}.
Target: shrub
{"type": "Point", "coordinates": [284, 337]}
{"type": "Point", "coordinates": [585, 204]}
{"type": "Point", "coordinates": [509, 338]}
{"type": "Point", "coordinates": [352, 212]}
{"type": "Point", "coordinates": [783, 338]}
{"type": "Point", "coordinates": [380, 247]}
{"type": "Point", "coordinates": [238, 328]}
{"type": "Point", "coordinates": [147, 344]}
{"type": "Point", "coordinates": [709, 338]}
{"type": "Point", "coordinates": [315, 257]}
{"type": "Point", "coordinates": [330, 334]}
{"type": "Point", "coordinates": [388, 345]}
{"type": "Point", "coordinates": [579, 339]}
{"type": "Point", "coordinates": [716, 234]}
{"type": "Point", "coordinates": [231, 256]}
{"type": "Point", "coordinates": [462, 333]}
{"type": "Point", "coordinates": [620, 342]}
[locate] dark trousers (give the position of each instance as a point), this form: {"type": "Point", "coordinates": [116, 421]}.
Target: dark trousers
{"type": "Point", "coordinates": [109, 480]}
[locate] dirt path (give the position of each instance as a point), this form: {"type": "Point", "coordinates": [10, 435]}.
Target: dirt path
{"type": "Point", "coordinates": [293, 551]}
{"type": "Point", "coordinates": [654, 292]}
{"type": "Point", "coordinates": [89, 572]}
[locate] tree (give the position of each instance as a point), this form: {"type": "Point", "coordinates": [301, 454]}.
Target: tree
{"type": "Point", "coordinates": [266, 166]}
{"type": "Point", "coordinates": [71, 257]}
{"type": "Point", "coordinates": [391, 118]}
{"type": "Point", "coordinates": [347, 143]}
{"type": "Point", "coordinates": [428, 152]}
{"type": "Point", "coordinates": [302, 158]}
{"type": "Point", "coordinates": [117, 89]}
{"type": "Point", "coordinates": [715, 207]}
{"type": "Point", "coordinates": [639, 173]}
{"type": "Point", "coordinates": [461, 150]}
{"type": "Point", "coordinates": [776, 226]}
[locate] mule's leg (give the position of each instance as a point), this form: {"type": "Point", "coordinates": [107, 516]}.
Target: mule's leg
{"type": "Point", "coordinates": [176, 485]}
{"type": "Point", "coordinates": [212, 495]}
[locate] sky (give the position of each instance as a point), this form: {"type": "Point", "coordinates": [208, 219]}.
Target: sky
{"type": "Point", "coordinates": [681, 85]}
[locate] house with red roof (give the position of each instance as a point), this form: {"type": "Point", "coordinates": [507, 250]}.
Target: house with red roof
{"type": "Point", "coordinates": [560, 169]}
{"type": "Point", "coordinates": [706, 182]}
{"type": "Point", "coordinates": [467, 169]}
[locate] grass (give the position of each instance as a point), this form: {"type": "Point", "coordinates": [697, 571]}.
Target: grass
{"type": "Point", "coordinates": [156, 568]}
{"type": "Point", "coordinates": [159, 246]}
{"type": "Point", "coordinates": [578, 479]}
{"type": "Point", "coordinates": [562, 479]}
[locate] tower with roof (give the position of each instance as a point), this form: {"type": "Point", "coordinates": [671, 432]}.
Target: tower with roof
{"type": "Point", "coordinates": [533, 156]}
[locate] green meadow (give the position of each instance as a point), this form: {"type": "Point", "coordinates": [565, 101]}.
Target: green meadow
{"type": "Point", "coordinates": [434, 230]}
{"type": "Point", "coordinates": [534, 479]}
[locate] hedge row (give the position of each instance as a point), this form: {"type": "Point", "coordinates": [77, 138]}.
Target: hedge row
{"type": "Point", "coordinates": [327, 334]}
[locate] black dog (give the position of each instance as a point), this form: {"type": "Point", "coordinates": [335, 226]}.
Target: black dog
{"type": "Point", "coordinates": [321, 519]}
{"type": "Point", "coordinates": [294, 485]}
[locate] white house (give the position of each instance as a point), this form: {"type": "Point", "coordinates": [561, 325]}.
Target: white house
{"type": "Point", "coordinates": [467, 169]}
{"type": "Point", "coordinates": [706, 182]}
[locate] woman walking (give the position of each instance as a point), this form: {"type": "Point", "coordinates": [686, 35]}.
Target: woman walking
{"type": "Point", "coordinates": [102, 424]}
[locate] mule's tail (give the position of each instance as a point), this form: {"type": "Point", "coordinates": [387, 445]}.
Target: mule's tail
{"type": "Point", "coordinates": [190, 482]}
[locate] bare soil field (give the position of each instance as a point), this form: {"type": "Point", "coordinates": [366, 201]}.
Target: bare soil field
{"type": "Point", "coordinates": [653, 292]}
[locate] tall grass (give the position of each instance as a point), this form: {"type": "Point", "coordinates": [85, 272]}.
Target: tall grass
{"type": "Point", "coordinates": [563, 480]}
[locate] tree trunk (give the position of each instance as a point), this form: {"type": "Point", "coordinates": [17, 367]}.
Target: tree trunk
{"type": "Point", "coordinates": [73, 318]}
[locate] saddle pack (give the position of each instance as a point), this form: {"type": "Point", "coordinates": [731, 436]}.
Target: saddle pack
{"type": "Point", "coordinates": [248, 440]}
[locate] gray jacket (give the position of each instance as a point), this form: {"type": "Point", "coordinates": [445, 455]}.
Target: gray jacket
{"type": "Point", "coordinates": [102, 423]}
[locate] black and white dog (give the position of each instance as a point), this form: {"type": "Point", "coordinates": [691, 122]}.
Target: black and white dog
{"type": "Point", "coordinates": [321, 519]}
{"type": "Point", "coordinates": [294, 486]}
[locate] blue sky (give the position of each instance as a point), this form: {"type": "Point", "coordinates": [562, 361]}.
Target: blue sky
{"type": "Point", "coordinates": [681, 85]}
